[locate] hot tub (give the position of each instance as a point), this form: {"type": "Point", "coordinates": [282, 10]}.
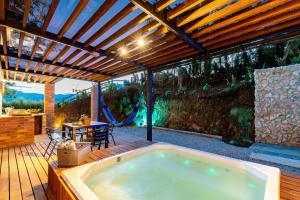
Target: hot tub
{"type": "Point", "coordinates": [169, 172]}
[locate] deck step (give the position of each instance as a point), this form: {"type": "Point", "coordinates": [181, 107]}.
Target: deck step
{"type": "Point", "coordinates": [276, 159]}
{"type": "Point", "coordinates": [275, 150]}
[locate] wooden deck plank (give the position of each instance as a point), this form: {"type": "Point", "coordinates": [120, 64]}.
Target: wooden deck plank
{"type": "Point", "coordinates": [14, 183]}
{"type": "Point", "coordinates": [26, 187]}
{"type": "Point", "coordinates": [38, 167]}
{"type": "Point", "coordinates": [39, 156]}
{"type": "Point", "coordinates": [4, 177]}
{"type": "Point", "coordinates": [38, 190]}
{"type": "Point", "coordinates": [25, 166]}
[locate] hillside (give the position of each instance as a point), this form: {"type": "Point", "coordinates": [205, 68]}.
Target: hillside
{"type": "Point", "coordinates": [33, 97]}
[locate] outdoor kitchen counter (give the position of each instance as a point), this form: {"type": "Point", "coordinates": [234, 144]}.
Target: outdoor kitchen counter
{"type": "Point", "coordinates": [20, 130]}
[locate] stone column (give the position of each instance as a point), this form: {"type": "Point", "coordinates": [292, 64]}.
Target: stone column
{"type": "Point", "coordinates": [94, 102]}
{"type": "Point", "coordinates": [49, 104]}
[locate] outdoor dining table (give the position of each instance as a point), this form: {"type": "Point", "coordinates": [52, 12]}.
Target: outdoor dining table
{"type": "Point", "coordinates": [92, 125]}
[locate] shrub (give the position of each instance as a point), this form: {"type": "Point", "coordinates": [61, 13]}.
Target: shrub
{"type": "Point", "coordinates": [243, 118]}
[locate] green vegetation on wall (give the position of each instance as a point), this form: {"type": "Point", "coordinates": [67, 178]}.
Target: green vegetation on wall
{"type": "Point", "coordinates": [24, 104]}
{"type": "Point", "coordinates": [160, 114]}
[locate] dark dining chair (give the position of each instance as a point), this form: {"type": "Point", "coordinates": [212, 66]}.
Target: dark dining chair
{"type": "Point", "coordinates": [54, 137]}
{"type": "Point", "coordinates": [99, 137]}
{"type": "Point", "coordinates": [110, 132]}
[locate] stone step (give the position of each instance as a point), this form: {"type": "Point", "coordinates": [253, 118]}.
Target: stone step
{"type": "Point", "coordinates": [276, 159]}
{"type": "Point", "coordinates": [275, 150]}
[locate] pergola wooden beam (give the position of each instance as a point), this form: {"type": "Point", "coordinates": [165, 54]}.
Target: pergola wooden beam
{"type": "Point", "coordinates": [258, 17]}
{"type": "Point", "coordinates": [93, 20]}
{"type": "Point", "coordinates": [38, 60]}
{"type": "Point", "coordinates": [162, 4]}
{"type": "Point", "coordinates": [115, 19]}
{"type": "Point", "coordinates": [259, 10]}
{"type": "Point", "coordinates": [80, 6]}
{"type": "Point", "coordinates": [53, 37]}
{"type": "Point", "coordinates": [38, 73]}
{"type": "Point", "coordinates": [49, 16]}
{"type": "Point", "coordinates": [162, 19]}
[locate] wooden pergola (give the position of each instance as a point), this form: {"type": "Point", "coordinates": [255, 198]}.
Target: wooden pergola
{"type": "Point", "coordinates": [171, 31]}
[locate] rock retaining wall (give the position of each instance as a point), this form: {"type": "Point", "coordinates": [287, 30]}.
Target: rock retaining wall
{"type": "Point", "coordinates": [277, 105]}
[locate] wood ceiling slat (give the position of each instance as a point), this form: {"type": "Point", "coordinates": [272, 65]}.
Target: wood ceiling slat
{"type": "Point", "coordinates": [157, 33]}
{"type": "Point", "coordinates": [185, 6]}
{"type": "Point", "coordinates": [154, 44]}
{"type": "Point", "coordinates": [49, 16]}
{"type": "Point", "coordinates": [29, 77]}
{"type": "Point", "coordinates": [135, 35]}
{"type": "Point", "coordinates": [106, 65]}
{"type": "Point", "coordinates": [35, 47]}
{"type": "Point", "coordinates": [84, 56]}
{"type": "Point", "coordinates": [38, 60]}
{"type": "Point", "coordinates": [117, 18]}
{"type": "Point", "coordinates": [262, 24]}
{"type": "Point", "coordinates": [162, 4]}
{"type": "Point", "coordinates": [139, 19]}
{"type": "Point", "coordinates": [26, 13]}
{"type": "Point", "coordinates": [52, 37]}
{"type": "Point", "coordinates": [60, 54]}
{"type": "Point", "coordinates": [229, 10]}
{"type": "Point", "coordinates": [159, 48]}
{"type": "Point", "coordinates": [46, 68]}
{"type": "Point", "coordinates": [62, 71]}
{"type": "Point", "coordinates": [2, 10]}
{"type": "Point", "coordinates": [175, 56]}
{"type": "Point", "coordinates": [112, 68]}
{"type": "Point", "coordinates": [28, 64]}
{"type": "Point", "coordinates": [15, 76]}
{"type": "Point", "coordinates": [88, 62]}
{"type": "Point", "coordinates": [162, 19]}
{"type": "Point", "coordinates": [200, 12]}
{"type": "Point", "coordinates": [290, 7]}
{"type": "Point", "coordinates": [100, 63]}
{"type": "Point", "coordinates": [256, 34]}
{"type": "Point", "coordinates": [17, 63]}
{"type": "Point", "coordinates": [80, 6]}
{"type": "Point", "coordinates": [23, 76]}
{"type": "Point", "coordinates": [71, 56]}
{"type": "Point", "coordinates": [93, 20]}
{"type": "Point", "coordinates": [37, 67]}
{"type": "Point", "coordinates": [4, 39]}
{"type": "Point", "coordinates": [242, 16]}
{"type": "Point", "coordinates": [49, 50]}
{"type": "Point", "coordinates": [54, 70]}
{"type": "Point", "coordinates": [160, 54]}
{"type": "Point", "coordinates": [21, 40]}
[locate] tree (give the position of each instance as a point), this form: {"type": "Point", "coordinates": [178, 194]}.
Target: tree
{"type": "Point", "coordinates": [8, 91]}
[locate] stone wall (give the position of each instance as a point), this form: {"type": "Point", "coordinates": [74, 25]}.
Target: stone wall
{"type": "Point", "coordinates": [277, 105]}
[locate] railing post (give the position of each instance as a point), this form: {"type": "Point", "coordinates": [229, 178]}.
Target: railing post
{"type": "Point", "coordinates": [149, 103]}
{"type": "Point", "coordinates": [99, 102]}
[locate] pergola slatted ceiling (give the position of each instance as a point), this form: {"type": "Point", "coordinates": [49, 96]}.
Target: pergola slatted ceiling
{"type": "Point", "coordinates": [86, 44]}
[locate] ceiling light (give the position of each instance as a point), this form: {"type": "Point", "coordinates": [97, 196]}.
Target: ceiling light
{"type": "Point", "coordinates": [141, 42]}
{"type": "Point", "coordinates": [123, 51]}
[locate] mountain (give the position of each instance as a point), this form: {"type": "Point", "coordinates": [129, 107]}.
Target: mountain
{"type": "Point", "coordinates": [34, 97]}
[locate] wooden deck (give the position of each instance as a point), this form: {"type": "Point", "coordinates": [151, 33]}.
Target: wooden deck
{"type": "Point", "coordinates": [24, 172]}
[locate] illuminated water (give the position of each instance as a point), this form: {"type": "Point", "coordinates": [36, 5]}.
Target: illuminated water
{"type": "Point", "coordinates": [172, 175]}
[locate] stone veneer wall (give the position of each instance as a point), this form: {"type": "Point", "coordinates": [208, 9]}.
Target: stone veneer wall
{"type": "Point", "coordinates": [49, 104]}
{"type": "Point", "coordinates": [277, 105]}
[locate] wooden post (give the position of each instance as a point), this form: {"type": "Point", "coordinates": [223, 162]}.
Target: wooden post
{"type": "Point", "coordinates": [149, 103]}
{"type": "Point", "coordinates": [99, 102]}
